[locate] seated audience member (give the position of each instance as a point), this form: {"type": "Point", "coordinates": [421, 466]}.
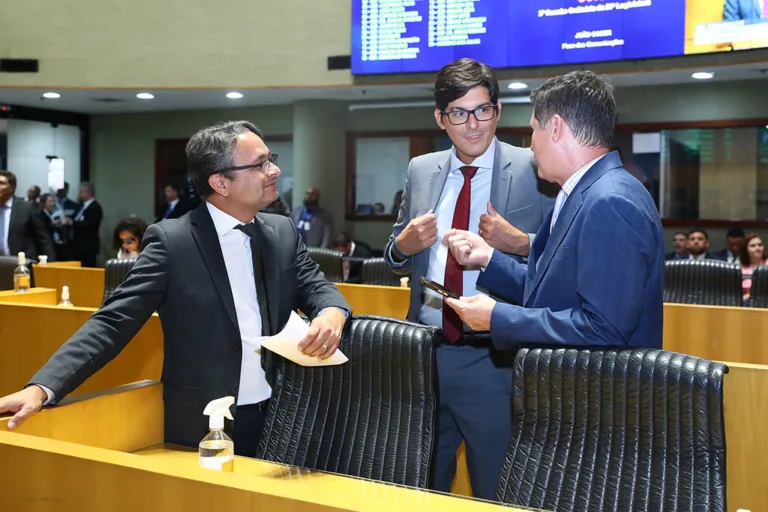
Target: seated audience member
{"type": "Point", "coordinates": [127, 238]}
{"type": "Point", "coordinates": [680, 247]}
{"type": "Point", "coordinates": [752, 255]}
{"type": "Point", "coordinates": [353, 270]}
{"type": "Point", "coordinates": [734, 242]}
{"type": "Point", "coordinates": [698, 245]}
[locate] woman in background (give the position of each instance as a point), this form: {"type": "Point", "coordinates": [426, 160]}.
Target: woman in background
{"type": "Point", "coordinates": [127, 237]}
{"type": "Point", "coordinates": [752, 254]}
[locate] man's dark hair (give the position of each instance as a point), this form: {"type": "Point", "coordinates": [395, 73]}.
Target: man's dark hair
{"type": "Point", "coordinates": [456, 79]}
{"type": "Point", "coordinates": [342, 239]}
{"type": "Point", "coordinates": [211, 149]}
{"type": "Point", "coordinates": [87, 185]}
{"type": "Point", "coordinates": [735, 233]}
{"type": "Point", "coordinates": [10, 177]}
{"type": "Point", "coordinates": [585, 102]}
{"type": "Point", "coordinates": [693, 231]}
{"type": "Point", "coordinates": [137, 226]}
{"type": "Point", "coordinates": [174, 187]}
{"type": "Point", "coordinates": [681, 233]}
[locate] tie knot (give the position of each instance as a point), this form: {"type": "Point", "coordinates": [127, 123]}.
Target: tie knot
{"type": "Point", "coordinates": [249, 229]}
{"type": "Point", "coordinates": [468, 171]}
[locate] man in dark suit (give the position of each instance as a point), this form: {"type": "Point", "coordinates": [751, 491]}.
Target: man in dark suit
{"type": "Point", "coordinates": [220, 278]}
{"type": "Point", "coordinates": [353, 269]}
{"type": "Point", "coordinates": [86, 243]}
{"type": "Point", "coordinates": [21, 227]}
{"type": "Point", "coordinates": [480, 181]}
{"type": "Point", "coordinates": [698, 246]}
{"type": "Point", "coordinates": [594, 276]}
{"type": "Point", "coordinates": [174, 206]}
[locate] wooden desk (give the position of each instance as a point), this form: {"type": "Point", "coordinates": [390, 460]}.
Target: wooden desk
{"type": "Point", "coordinates": [31, 334]}
{"type": "Point", "coordinates": [86, 285]}
{"type": "Point", "coordinates": [42, 296]}
{"type": "Point", "coordinates": [158, 477]}
{"type": "Point", "coordinates": [387, 301]}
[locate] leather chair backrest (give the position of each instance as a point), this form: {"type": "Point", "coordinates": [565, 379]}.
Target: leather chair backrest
{"type": "Point", "coordinates": [711, 282]}
{"type": "Point", "coordinates": [377, 272]}
{"type": "Point", "coordinates": [7, 265]}
{"type": "Point", "coordinates": [372, 417]}
{"type": "Point", "coordinates": [758, 293]}
{"type": "Point", "coordinates": [115, 272]}
{"type": "Point", "coordinates": [329, 262]}
{"type": "Point", "coordinates": [605, 430]}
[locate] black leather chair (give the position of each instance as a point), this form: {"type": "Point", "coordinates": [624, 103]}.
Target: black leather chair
{"type": "Point", "coordinates": [329, 262]}
{"type": "Point", "coordinates": [7, 265]}
{"type": "Point", "coordinates": [377, 272]}
{"type": "Point", "coordinates": [758, 293]}
{"type": "Point", "coordinates": [372, 417]}
{"type": "Point", "coordinates": [115, 272]}
{"type": "Point", "coordinates": [609, 431]}
{"type": "Point", "coordinates": [710, 282]}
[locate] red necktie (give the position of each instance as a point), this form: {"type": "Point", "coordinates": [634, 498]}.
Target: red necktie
{"type": "Point", "coordinates": [453, 327]}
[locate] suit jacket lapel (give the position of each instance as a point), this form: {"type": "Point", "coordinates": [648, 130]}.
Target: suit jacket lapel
{"type": "Point", "coordinates": [204, 233]}
{"type": "Point", "coordinates": [267, 244]}
{"type": "Point", "coordinates": [437, 182]}
{"type": "Point", "coordinates": [501, 180]}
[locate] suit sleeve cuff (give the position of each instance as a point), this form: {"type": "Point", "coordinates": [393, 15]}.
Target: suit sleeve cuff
{"type": "Point", "coordinates": [493, 251]}
{"type": "Point", "coordinates": [391, 260]}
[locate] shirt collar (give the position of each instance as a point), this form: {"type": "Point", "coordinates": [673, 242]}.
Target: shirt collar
{"type": "Point", "coordinates": [174, 202]}
{"type": "Point", "coordinates": [484, 161]}
{"type": "Point", "coordinates": [88, 203]}
{"type": "Point", "coordinates": [9, 203]}
{"type": "Point", "coordinates": [223, 222]}
{"type": "Point", "coordinates": [571, 182]}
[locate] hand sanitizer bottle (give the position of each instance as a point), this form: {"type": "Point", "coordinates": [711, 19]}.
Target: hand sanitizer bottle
{"type": "Point", "coordinates": [42, 260]}
{"type": "Point", "coordinates": [21, 276]}
{"type": "Point", "coordinates": [65, 303]}
{"type": "Point", "coordinates": [217, 450]}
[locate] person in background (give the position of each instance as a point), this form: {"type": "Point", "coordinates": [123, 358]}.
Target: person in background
{"type": "Point", "coordinates": [698, 245]}
{"type": "Point", "coordinates": [21, 227]}
{"type": "Point", "coordinates": [278, 207]}
{"type": "Point", "coordinates": [465, 186]}
{"type": "Point", "coordinates": [86, 243]}
{"type": "Point", "coordinates": [315, 223]}
{"type": "Point", "coordinates": [53, 219]}
{"type": "Point", "coordinates": [128, 236]}
{"type": "Point", "coordinates": [734, 241]}
{"type": "Point", "coordinates": [353, 270]}
{"type": "Point", "coordinates": [175, 206]}
{"type": "Point", "coordinates": [752, 255]}
{"type": "Point", "coordinates": [33, 194]}
{"type": "Point", "coordinates": [680, 247]}
{"type": "Point", "coordinates": [66, 209]}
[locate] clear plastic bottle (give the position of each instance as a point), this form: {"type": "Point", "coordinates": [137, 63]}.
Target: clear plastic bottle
{"type": "Point", "coordinates": [217, 450]}
{"type": "Point", "coordinates": [21, 275]}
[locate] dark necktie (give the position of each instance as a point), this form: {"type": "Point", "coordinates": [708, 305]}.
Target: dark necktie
{"type": "Point", "coordinates": [258, 275]}
{"type": "Point", "coordinates": [453, 327]}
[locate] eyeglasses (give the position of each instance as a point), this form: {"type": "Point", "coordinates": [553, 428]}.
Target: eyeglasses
{"type": "Point", "coordinates": [483, 113]}
{"type": "Point", "coordinates": [261, 166]}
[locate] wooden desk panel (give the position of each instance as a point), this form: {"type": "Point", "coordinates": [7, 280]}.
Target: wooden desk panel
{"type": "Point", "coordinates": [387, 301]}
{"type": "Point", "coordinates": [31, 334]}
{"type": "Point", "coordinates": [86, 285]}
{"type": "Point", "coordinates": [42, 296]}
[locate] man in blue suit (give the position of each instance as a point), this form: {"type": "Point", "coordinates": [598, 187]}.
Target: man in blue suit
{"type": "Point", "coordinates": [750, 11]}
{"type": "Point", "coordinates": [594, 275]}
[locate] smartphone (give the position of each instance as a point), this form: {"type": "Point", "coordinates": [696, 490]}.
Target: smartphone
{"type": "Point", "coordinates": [442, 290]}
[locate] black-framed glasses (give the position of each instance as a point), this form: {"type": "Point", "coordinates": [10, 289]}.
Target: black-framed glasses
{"type": "Point", "coordinates": [261, 166]}
{"type": "Point", "coordinates": [482, 113]}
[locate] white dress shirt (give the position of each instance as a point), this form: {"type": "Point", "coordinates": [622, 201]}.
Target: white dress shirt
{"type": "Point", "coordinates": [236, 248]}
{"type": "Point", "coordinates": [480, 193]}
{"type": "Point", "coordinates": [7, 225]}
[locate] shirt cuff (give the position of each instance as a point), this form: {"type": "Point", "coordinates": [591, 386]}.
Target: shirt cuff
{"type": "Point", "coordinates": [51, 395]}
{"type": "Point", "coordinates": [346, 314]}
{"type": "Point", "coordinates": [482, 269]}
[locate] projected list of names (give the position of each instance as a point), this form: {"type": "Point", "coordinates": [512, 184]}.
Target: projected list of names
{"type": "Point", "coordinates": [383, 24]}
{"type": "Point", "coordinates": [451, 23]}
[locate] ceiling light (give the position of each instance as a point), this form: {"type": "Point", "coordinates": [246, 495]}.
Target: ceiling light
{"type": "Point", "coordinates": [517, 86]}
{"type": "Point", "coordinates": [145, 96]}
{"type": "Point", "coordinates": [703, 75]}
{"type": "Point", "coordinates": [51, 95]}
{"type": "Point", "coordinates": [234, 95]}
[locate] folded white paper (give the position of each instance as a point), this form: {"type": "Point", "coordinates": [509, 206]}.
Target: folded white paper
{"type": "Point", "coordinates": [286, 344]}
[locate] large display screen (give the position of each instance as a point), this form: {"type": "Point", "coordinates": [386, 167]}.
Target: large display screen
{"type": "Point", "coordinates": [405, 36]}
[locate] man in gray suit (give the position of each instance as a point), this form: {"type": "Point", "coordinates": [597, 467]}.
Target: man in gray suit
{"type": "Point", "coordinates": [314, 223]}
{"type": "Point", "coordinates": [486, 186]}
